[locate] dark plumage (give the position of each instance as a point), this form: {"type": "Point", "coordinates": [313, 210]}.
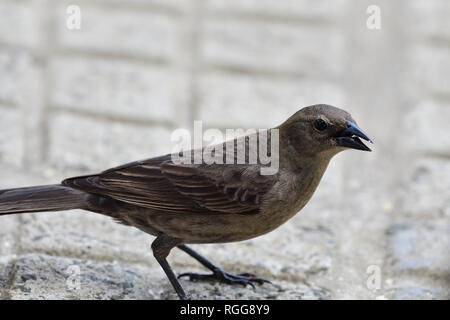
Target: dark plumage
{"type": "Point", "coordinates": [205, 203]}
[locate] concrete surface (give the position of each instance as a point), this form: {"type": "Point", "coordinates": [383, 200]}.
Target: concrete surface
{"type": "Point", "coordinates": [80, 101]}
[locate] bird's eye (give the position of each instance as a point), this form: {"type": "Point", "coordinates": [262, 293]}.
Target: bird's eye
{"type": "Point", "coordinates": [320, 124]}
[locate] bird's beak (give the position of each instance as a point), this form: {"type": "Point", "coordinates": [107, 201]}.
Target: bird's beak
{"type": "Point", "coordinates": [349, 138]}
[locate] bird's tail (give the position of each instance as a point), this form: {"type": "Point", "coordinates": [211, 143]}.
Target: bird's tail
{"type": "Point", "coordinates": [42, 198]}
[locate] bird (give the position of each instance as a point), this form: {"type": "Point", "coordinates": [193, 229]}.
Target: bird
{"type": "Point", "coordinates": [198, 203]}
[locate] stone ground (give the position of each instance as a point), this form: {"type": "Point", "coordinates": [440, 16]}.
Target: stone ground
{"type": "Point", "coordinates": [79, 101]}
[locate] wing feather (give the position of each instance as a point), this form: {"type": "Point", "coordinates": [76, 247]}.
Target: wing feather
{"type": "Point", "coordinates": [163, 186]}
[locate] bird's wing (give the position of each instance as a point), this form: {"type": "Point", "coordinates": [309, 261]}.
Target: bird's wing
{"type": "Point", "coordinates": [161, 185]}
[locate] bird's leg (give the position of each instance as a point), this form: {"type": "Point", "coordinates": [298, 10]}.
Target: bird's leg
{"type": "Point", "coordinates": [218, 273]}
{"type": "Point", "coordinates": [161, 247]}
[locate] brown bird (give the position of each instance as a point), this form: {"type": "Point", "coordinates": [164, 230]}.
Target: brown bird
{"type": "Point", "coordinates": [181, 204]}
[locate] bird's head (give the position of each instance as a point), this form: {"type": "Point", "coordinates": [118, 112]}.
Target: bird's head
{"type": "Point", "coordinates": [322, 130]}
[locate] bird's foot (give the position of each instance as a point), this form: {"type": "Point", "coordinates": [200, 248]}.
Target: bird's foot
{"type": "Point", "coordinates": [222, 276]}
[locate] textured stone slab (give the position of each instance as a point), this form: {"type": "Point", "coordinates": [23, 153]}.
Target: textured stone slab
{"type": "Point", "coordinates": [45, 277]}
{"type": "Point", "coordinates": [93, 144]}
{"type": "Point", "coordinates": [426, 128]}
{"type": "Point", "coordinates": [15, 74]}
{"type": "Point", "coordinates": [119, 88]}
{"type": "Point", "coordinates": [12, 144]}
{"type": "Point", "coordinates": [426, 193]}
{"type": "Point", "coordinates": [120, 31]}
{"type": "Point", "coordinates": [19, 22]}
{"type": "Point", "coordinates": [428, 69]}
{"type": "Point", "coordinates": [84, 234]}
{"type": "Point", "coordinates": [274, 47]}
{"type": "Point", "coordinates": [244, 101]}
{"type": "Point", "coordinates": [422, 248]}
{"type": "Point", "coordinates": [420, 293]}
{"type": "Point", "coordinates": [430, 19]}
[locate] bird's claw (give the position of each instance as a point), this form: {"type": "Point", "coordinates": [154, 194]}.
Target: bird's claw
{"type": "Point", "coordinates": [222, 276]}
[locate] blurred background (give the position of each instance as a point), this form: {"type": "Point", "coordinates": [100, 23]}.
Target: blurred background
{"type": "Point", "coordinates": [77, 101]}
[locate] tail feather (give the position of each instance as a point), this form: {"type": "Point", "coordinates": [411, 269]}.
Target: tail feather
{"type": "Point", "coordinates": [41, 198]}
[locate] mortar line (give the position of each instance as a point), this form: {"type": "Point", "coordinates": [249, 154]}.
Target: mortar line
{"type": "Point", "coordinates": [137, 7]}
{"type": "Point", "coordinates": [110, 117]}
{"type": "Point", "coordinates": [143, 60]}
{"type": "Point", "coordinates": [282, 19]}
{"type": "Point", "coordinates": [49, 28]}
{"type": "Point", "coordinates": [195, 20]}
